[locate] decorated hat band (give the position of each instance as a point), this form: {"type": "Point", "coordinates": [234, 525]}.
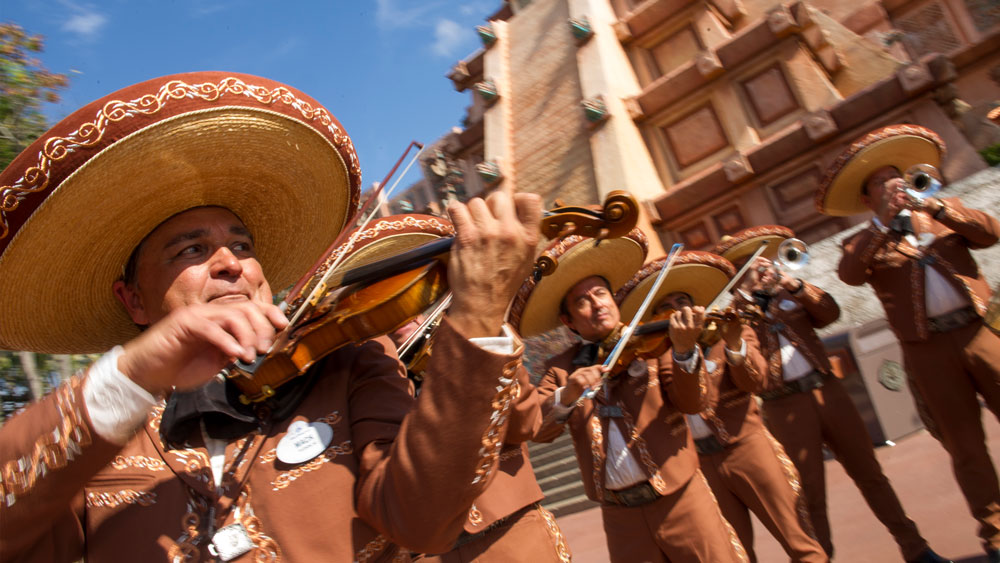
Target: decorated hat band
{"type": "Point", "coordinates": [535, 308]}
{"type": "Point", "coordinates": [91, 188]}
{"type": "Point", "coordinates": [701, 275]}
{"type": "Point", "coordinates": [743, 244]}
{"type": "Point", "coordinates": [900, 146]}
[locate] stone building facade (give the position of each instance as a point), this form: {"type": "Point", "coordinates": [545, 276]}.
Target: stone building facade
{"type": "Point", "coordinates": [719, 115]}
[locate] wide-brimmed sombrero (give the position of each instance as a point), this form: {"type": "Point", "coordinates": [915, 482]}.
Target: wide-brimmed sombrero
{"type": "Point", "coordinates": [743, 244]}
{"type": "Point", "coordinates": [702, 275]}
{"type": "Point", "coordinates": [901, 146]}
{"type": "Point", "coordinates": [382, 238]}
{"type": "Point", "coordinates": [535, 308]}
{"type": "Point", "coordinates": [87, 192]}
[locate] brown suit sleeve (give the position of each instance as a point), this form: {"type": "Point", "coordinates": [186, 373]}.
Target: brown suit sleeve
{"type": "Point", "coordinates": [526, 414]}
{"type": "Point", "coordinates": [549, 428]}
{"type": "Point", "coordinates": [683, 389]}
{"type": "Point", "coordinates": [980, 229]}
{"type": "Point", "coordinates": [47, 454]}
{"type": "Point", "coordinates": [420, 474]}
{"type": "Point", "coordinates": [751, 375]}
{"type": "Point", "coordinates": [820, 305]}
{"type": "Point", "coordinates": [859, 250]}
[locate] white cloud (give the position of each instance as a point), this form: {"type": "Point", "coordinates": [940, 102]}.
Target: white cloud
{"type": "Point", "coordinates": [84, 20]}
{"type": "Point", "coordinates": [479, 9]}
{"type": "Point", "coordinates": [390, 15]}
{"type": "Point", "coordinates": [448, 35]}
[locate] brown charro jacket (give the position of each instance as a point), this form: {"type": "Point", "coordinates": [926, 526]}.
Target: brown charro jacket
{"type": "Point", "coordinates": [398, 470]}
{"type": "Point", "coordinates": [653, 403]}
{"type": "Point", "coordinates": [730, 410]}
{"type": "Point", "coordinates": [796, 316]}
{"type": "Point", "coordinates": [513, 485]}
{"type": "Point", "coordinates": [894, 268]}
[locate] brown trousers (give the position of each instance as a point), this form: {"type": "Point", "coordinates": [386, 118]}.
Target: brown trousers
{"type": "Point", "coordinates": [947, 372]}
{"type": "Point", "coordinates": [682, 527]}
{"type": "Point", "coordinates": [803, 422]}
{"type": "Point", "coordinates": [755, 474]}
{"type": "Point", "coordinates": [530, 535]}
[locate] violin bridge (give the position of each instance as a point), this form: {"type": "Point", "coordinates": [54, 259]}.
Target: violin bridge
{"type": "Point", "coordinates": [317, 293]}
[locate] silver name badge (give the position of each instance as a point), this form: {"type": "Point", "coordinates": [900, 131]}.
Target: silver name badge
{"type": "Point", "coordinates": [304, 441]}
{"type": "Point", "coordinates": [230, 542]}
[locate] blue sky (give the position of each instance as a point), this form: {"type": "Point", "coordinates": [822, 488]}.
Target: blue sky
{"type": "Point", "coordinates": [377, 65]}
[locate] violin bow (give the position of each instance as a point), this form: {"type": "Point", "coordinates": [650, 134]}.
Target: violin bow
{"type": "Point", "coordinates": [438, 310]}
{"type": "Point", "coordinates": [626, 334]}
{"type": "Point", "coordinates": [729, 286]}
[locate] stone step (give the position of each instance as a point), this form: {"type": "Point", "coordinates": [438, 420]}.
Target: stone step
{"type": "Point", "coordinates": [555, 468]}
{"type": "Point", "coordinates": [569, 505]}
{"type": "Point", "coordinates": [569, 475]}
{"type": "Point", "coordinates": [564, 491]}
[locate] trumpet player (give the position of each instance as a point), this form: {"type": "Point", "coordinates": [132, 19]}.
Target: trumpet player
{"type": "Point", "coordinates": [804, 403]}
{"type": "Point", "coordinates": [915, 254]}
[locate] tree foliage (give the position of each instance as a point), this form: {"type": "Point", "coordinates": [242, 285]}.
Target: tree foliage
{"type": "Point", "coordinates": [24, 85]}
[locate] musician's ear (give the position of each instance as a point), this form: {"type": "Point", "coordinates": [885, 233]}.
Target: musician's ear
{"type": "Point", "coordinates": [130, 298]}
{"type": "Point", "coordinates": [567, 322]}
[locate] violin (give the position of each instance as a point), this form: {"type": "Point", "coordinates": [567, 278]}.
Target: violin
{"type": "Point", "coordinates": [652, 338]}
{"type": "Point", "coordinates": [332, 307]}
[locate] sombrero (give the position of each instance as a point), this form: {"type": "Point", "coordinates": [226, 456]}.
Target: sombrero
{"type": "Point", "coordinates": [382, 238]}
{"type": "Point", "coordinates": [744, 243]}
{"type": "Point", "coordinates": [535, 308]}
{"type": "Point", "coordinates": [87, 192]}
{"type": "Point", "coordinates": [702, 275]}
{"type": "Point", "coordinates": [901, 146]}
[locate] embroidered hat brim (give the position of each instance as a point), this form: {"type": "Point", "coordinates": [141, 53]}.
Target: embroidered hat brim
{"type": "Point", "coordinates": [535, 308]}
{"type": "Point", "coordinates": [744, 243]}
{"type": "Point", "coordinates": [382, 238]}
{"type": "Point", "coordinates": [76, 203]}
{"type": "Point", "coordinates": [901, 146]}
{"type": "Point", "coordinates": [702, 275]}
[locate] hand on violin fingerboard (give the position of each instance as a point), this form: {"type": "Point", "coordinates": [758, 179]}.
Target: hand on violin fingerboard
{"type": "Point", "coordinates": [686, 325]}
{"type": "Point", "coordinates": [493, 253]}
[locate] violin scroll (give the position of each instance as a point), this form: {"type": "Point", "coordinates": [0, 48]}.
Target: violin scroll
{"type": "Point", "coordinates": [618, 216]}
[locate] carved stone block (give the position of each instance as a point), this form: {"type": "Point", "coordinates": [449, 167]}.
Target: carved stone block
{"type": "Point", "coordinates": [696, 136]}
{"type": "Point", "coordinates": [737, 168]}
{"type": "Point", "coordinates": [914, 77]}
{"type": "Point", "coordinates": [781, 21]}
{"type": "Point", "coordinates": [708, 64]}
{"type": "Point", "coordinates": [819, 125]}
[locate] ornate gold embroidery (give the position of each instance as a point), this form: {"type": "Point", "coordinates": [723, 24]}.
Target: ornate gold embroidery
{"type": "Point", "coordinates": [36, 178]}
{"type": "Point", "coordinates": [597, 452]}
{"type": "Point", "coordinates": [286, 478]}
{"type": "Point", "coordinates": [562, 550]}
{"type": "Point", "coordinates": [792, 476]}
{"type": "Point", "coordinates": [265, 548]}
{"type": "Point", "coordinates": [492, 440]}
{"type": "Point", "coordinates": [124, 496]}
{"type": "Point", "coordinates": [52, 450]}
{"type": "Point", "coordinates": [195, 462]}
{"type": "Point", "coordinates": [331, 419]}
{"type": "Point", "coordinates": [734, 540]}
{"type": "Point", "coordinates": [475, 516]}
{"type": "Point", "coordinates": [140, 461]}
{"type": "Point", "coordinates": [371, 549]}
{"type": "Point", "coordinates": [640, 444]}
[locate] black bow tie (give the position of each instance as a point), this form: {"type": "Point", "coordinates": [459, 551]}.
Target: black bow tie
{"type": "Point", "coordinates": [902, 224]}
{"type": "Point", "coordinates": [218, 404]}
{"type": "Point", "coordinates": [587, 356]}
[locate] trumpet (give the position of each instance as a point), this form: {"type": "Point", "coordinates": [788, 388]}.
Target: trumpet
{"type": "Point", "coordinates": [922, 181]}
{"type": "Point", "coordinates": [793, 255]}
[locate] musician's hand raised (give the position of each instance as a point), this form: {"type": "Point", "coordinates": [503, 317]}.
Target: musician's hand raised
{"type": "Point", "coordinates": [193, 343]}
{"type": "Point", "coordinates": [686, 325]}
{"type": "Point", "coordinates": [494, 250]}
{"type": "Point", "coordinates": [579, 381]}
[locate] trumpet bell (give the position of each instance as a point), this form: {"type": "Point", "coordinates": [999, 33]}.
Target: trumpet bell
{"type": "Point", "coordinates": [793, 254]}
{"type": "Point", "coordinates": [922, 181]}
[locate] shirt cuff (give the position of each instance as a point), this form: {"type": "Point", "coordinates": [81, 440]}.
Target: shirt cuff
{"type": "Point", "coordinates": [503, 345]}
{"type": "Point", "coordinates": [117, 405]}
{"type": "Point", "coordinates": [878, 225]}
{"type": "Point", "coordinates": [736, 358]}
{"type": "Point", "coordinates": [689, 365]}
{"type": "Point", "coordinates": [559, 410]}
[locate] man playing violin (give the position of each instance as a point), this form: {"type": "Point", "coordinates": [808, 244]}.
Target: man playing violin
{"type": "Point", "coordinates": [805, 405]}
{"type": "Point", "coordinates": [916, 256]}
{"type": "Point", "coordinates": [217, 184]}
{"type": "Point", "coordinates": [632, 445]}
{"type": "Point", "coordinates": [746, 469]}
